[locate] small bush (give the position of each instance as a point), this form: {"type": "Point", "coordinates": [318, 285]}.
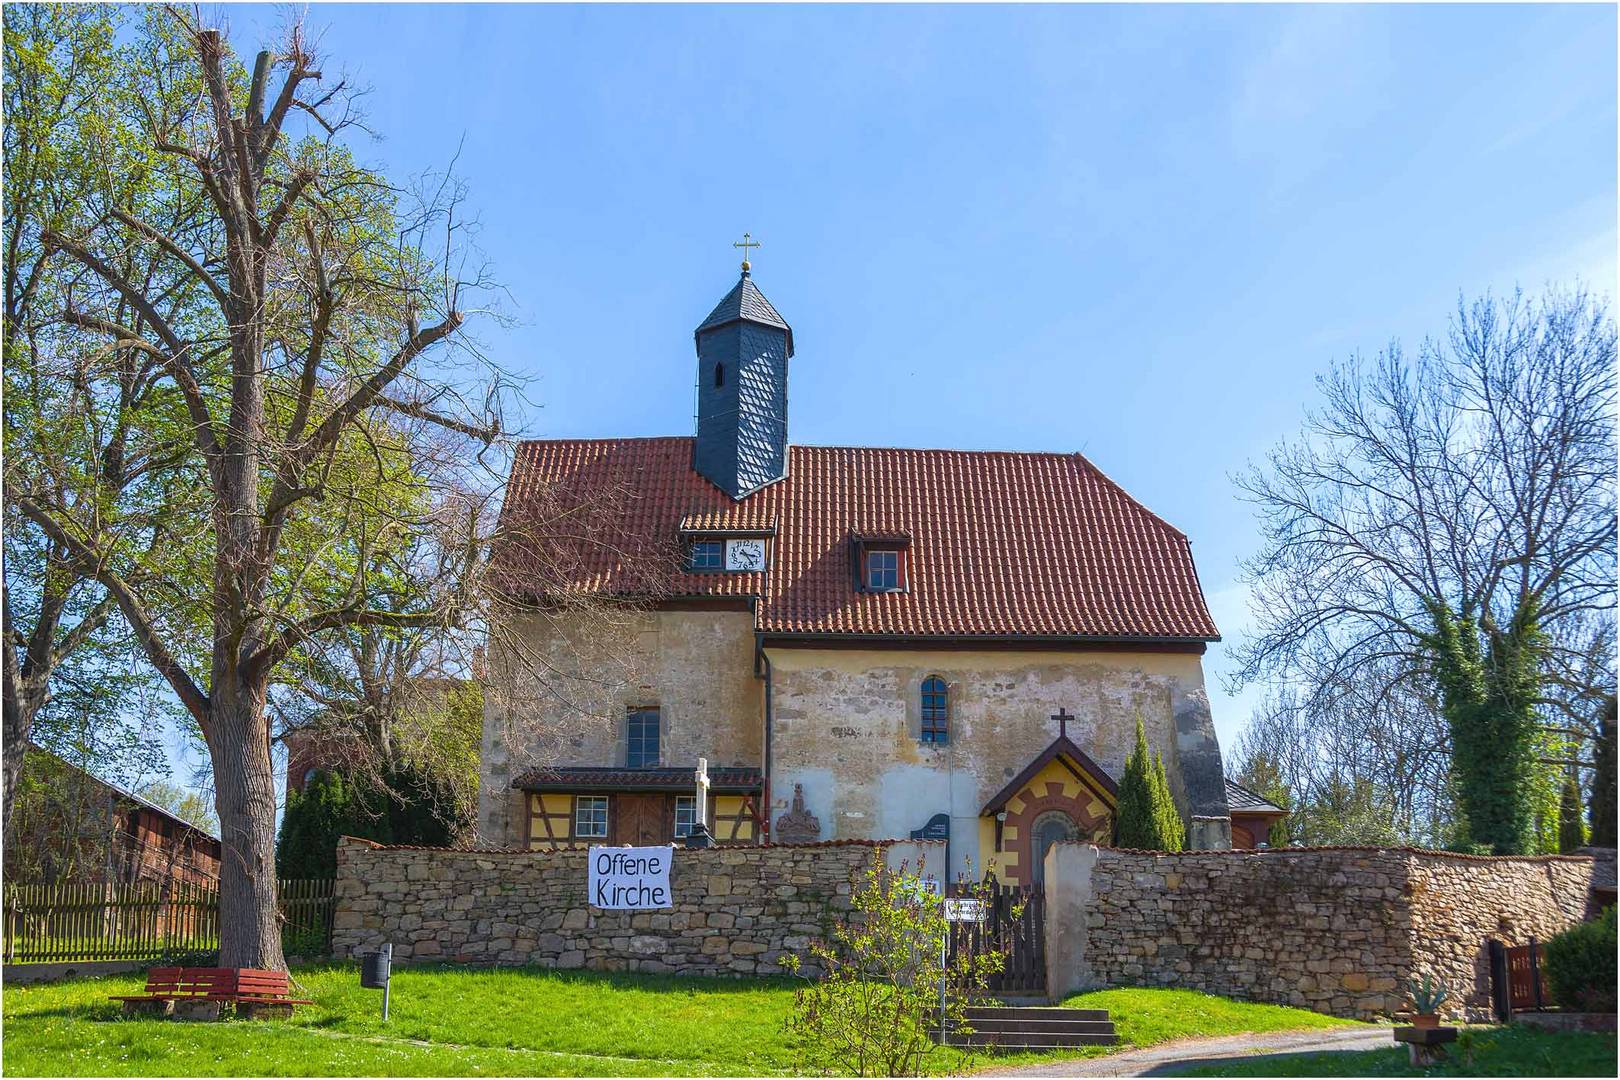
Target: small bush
{"type": "Point", "coordinates": [1581, 966]}
{"type": "Point", "coordinates": [873, 1008]}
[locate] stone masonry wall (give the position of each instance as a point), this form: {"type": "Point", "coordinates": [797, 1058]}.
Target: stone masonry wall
{"type": "Point", "coordinates": [736, 910]}
{"type": "Point", "coordinates": [1457, 903]}
{"type": "Point", "coordinates": [1337, 930]}
{"type": "Point", "coordinates": [846, 725]}
{"type": "Point", "coordinates": [696, 666]}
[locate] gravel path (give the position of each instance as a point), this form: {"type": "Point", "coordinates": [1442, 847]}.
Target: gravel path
{"type": "Point", "coordinates": [1174, 1057]}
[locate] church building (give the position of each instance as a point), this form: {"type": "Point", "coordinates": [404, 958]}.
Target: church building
{"type": "Point", "coordinates": [862, 642]}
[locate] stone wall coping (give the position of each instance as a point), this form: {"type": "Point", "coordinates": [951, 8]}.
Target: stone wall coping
{"type": "Point", "coordinates": [1278, 852]}
{"type": "Point", "coordinates": [375, 846]}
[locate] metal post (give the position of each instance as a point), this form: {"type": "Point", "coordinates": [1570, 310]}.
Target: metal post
{"type": "Point", "coordinates": [388, 974]}
{"type": "Point", "coordinates": [944, 959]}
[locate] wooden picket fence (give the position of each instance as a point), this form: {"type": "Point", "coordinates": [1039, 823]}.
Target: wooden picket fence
{"type": "Point", "coordinates": [77, 922]}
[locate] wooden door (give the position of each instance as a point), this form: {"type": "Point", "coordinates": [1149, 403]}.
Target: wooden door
{"type": "Point", "coordinates": [643, 820]}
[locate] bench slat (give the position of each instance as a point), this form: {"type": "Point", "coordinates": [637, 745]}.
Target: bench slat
{"type": "Point", "coordinates": [254, 986]}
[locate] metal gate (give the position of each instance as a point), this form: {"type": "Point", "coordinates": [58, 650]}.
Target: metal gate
{"type": "Point", "coordinates": [1016, 923]}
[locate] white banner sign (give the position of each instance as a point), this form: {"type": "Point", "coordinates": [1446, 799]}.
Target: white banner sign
{"type": "Point", "coordinates": [630, 878]}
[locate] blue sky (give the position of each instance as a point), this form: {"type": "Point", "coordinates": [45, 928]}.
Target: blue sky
{"type": "Point", "coordinates": [1138, 232]}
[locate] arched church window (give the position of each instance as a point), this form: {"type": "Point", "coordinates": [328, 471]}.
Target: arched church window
{"type": "Point", "coordinates": [719, 376]}
{"type": "Point", "coordinates": [935, 710]}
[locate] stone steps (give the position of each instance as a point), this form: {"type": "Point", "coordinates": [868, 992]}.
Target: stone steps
{"type": "Point", "coordinates": [1037, 1028]}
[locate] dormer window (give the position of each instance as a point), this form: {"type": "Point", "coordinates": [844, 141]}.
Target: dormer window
{"type": "Point", "coordinates": [882, 570]}
{"type": "Point", "coordinates": [706, 555]}
{"type": "Point", "coordinates": [738, 554]}
{"type": "Point", "coordinates": [882, 566]}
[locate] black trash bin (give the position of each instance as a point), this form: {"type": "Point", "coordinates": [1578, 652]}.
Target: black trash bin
{"type": "Point", "coordinates": [374, 968]}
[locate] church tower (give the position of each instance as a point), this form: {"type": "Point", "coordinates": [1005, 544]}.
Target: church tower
{"type": "Point", "coordinates": [743, 349]}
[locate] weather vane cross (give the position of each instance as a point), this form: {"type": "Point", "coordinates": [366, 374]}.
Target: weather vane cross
{"type": "Point", "coordinates": [747, 242]}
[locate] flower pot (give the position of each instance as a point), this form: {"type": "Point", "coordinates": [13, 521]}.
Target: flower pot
{"type": "Point", "coordinates": [1425, 1020]}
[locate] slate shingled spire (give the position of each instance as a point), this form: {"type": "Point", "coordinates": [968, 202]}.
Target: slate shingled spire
{"type": "Point", "coordinates": [743, 349]}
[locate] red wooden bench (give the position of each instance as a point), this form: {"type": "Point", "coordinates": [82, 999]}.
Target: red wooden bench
{"type": "Point", "coordinates": [253, 992]}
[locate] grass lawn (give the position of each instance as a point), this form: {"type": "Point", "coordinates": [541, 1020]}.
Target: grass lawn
{"type": "Point", "coordinates": [1149, 1017]}
{"type": "Point", "coordinates": [510, 1022]}
{"type": "Point", "coordinates": [1512, 1051]}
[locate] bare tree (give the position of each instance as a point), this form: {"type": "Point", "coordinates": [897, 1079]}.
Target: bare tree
{"type": "Point", "coordinates": [1364, 762]}
{"type": "Point", "coordinates": [1451, 518]}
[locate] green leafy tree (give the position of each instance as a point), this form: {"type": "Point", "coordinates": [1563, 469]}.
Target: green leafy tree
{"type": "Point", "coordinates": [871, 1003]}
{"type": "Point", "coordinates": [1571, 829]}
{"type": "Point", "coordinates": [310, 826]}
{"type": "Point", "coordinates": [315, 435]}
{"type": "Point", "coordinates": [183, 803]}
{"type": "Point", "coordinates": [1145, 815]}
{"type": "Point", "coordinates": [84, 424]}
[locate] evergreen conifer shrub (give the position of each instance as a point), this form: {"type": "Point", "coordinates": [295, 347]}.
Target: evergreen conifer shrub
{"type": "Point", "coordinates": [1145, 816]}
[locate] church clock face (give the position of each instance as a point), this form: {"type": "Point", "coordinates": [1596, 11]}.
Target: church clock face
{"type": "Point", "coordinates": [745, 554]}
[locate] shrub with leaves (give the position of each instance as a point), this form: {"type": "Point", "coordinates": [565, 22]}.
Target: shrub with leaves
{"type": "Point", "coordinates": [1580, 965]}
{"type": "Point", "coordinates": [871, 1002]}
{"type": "Point", "coordinates": [1145, 816]}
{"type": "Point", "coordinates": [409, 810]}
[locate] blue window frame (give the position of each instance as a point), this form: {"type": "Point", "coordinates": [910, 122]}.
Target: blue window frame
{"type": "Point", "coordinates": [641, 745]}
{"type": "Point", "coordinates": [707, 555]}
{"type": "Point", "coordinates": [882, 570]}
{"type": "Point", "coordinates": [935, 710]}
{"type": "Point", "coordinates": [685, 814]}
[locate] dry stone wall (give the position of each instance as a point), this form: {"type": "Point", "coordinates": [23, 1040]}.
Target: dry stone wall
{"type": "Point", "coordinates": [736, 910]}
{"type": "Point", "coordinates": [1457, 903]}
{"type": "Point", "coordinates": [1337, 930]}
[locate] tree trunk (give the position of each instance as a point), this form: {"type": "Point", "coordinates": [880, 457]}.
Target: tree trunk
{"type": "Point", "coordinates": [245, 798]}
{"type": "Point", "coordinates": [13, 748]}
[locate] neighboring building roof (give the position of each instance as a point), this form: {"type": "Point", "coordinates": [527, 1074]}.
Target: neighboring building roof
{"type": "Point", "coordinates": [746, 302]}
{"type": "Point", "coordinates": [125, 793]}
{"type": "Point", "coordinates": [1001, 544]}
{"type": "Point", "coordinates": [1240, 800]}
{"type": "Point", "coordinates": [725, 780]}
{"type": "Point", "coordinates": [1061, 747]}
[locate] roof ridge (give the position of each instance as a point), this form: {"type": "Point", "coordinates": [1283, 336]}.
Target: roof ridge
{"type": "Point", "coordinates": [1134, 501]}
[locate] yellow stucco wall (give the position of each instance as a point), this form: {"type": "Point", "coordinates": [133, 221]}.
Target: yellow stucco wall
{"type": "Point", "coordinates": [722, 810]}
{"type": "Point", "coordinates": [559, 808]}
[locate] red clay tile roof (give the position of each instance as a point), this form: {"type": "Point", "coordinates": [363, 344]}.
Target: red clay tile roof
{"type": "Point", "coordinates": [1001, 544]}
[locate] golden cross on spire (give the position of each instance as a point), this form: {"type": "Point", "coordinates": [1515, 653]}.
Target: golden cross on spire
{"type": "Point", "coordinates": [748, 241]}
